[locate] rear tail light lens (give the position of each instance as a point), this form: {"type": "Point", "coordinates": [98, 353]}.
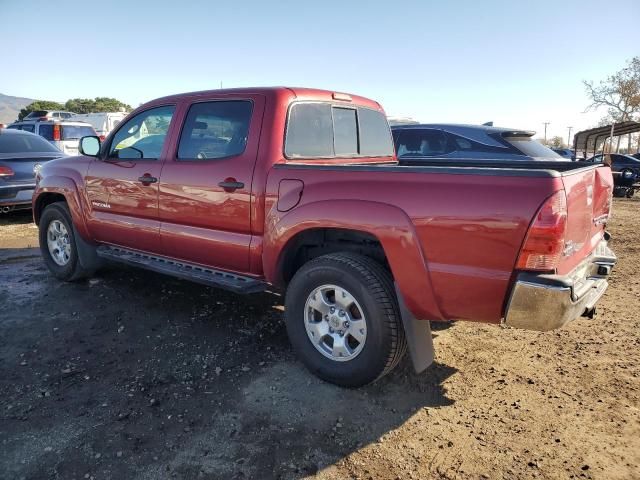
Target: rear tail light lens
{"type": "Point", "coordinates": [102, 137]}
{"type": "Point", "coordinates": [544, 243]}
{"type": "Point", "coordinates": [5, 171]}
{"type": "Point", "coordinates": [57, 132]}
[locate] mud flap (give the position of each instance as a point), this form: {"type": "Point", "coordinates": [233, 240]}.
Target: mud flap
{"type": "Point", "coordinates": [87, 255]}
{"type": "Point", "coordinates": [418, 334]}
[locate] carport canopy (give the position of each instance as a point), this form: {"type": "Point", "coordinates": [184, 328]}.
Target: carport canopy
{"type": "Point", "coordinates": [590, 139]}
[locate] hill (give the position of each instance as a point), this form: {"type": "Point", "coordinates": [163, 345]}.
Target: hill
{"type": "Point", "coordinates": [11, 106]}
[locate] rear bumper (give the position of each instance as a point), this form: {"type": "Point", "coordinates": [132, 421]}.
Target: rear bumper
{"type": "Point", "coordinates": [547, 302]}
{"type": "Point", "coordinates": [16, 195]}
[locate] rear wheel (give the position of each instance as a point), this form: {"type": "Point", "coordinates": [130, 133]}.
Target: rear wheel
{"type": "Point", "coordinates": [58, 243]}
{"type": "Point", "coordinates": [343, 319]}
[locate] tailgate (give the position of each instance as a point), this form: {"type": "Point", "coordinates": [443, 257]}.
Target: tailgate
{"type": "Point", "coordinates": [588, 193]}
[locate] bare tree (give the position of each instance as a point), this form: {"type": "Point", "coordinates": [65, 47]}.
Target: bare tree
{"type": "Point", "coordinates": [619, 93]}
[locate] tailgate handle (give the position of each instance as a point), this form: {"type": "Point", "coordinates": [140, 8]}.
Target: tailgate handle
{"type": "Point", "coordinates": [230, 185]}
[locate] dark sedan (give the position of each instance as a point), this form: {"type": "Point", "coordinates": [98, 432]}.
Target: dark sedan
{"type": "Point", "coordinates": [21, 155]}
{"type": "Point", "coordinates": [467, 142]}
{"type": "Point", "coordinates": [626, 172]}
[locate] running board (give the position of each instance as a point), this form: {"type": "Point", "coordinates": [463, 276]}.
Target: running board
{"type": "Point", "coordinates": [187, 271]}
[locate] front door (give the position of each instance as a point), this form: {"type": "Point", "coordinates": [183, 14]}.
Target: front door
{"type": "Point", "coordinates": [205, 187]}
{"type": "Point", "coordinates": [122, 186]}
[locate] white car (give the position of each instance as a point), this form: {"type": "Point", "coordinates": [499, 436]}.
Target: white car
{"type": "Point", "coordinates": [103, 122]}
{"type": "Point", "coordinates": [64, 134]}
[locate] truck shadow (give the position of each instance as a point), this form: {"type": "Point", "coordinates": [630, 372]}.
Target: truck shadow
{"type": "Point", "coordinates": [185, 380]}
{"type": "Point", "coordinates": [20, 217]}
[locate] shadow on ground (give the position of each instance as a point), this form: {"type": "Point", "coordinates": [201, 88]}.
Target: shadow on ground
{"type": "Point", "coordinates": [20, 217]}
{"type": "Point", "coordinates": [136, 375]}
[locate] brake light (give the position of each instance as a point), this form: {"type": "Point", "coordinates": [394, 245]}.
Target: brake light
{"type": "Point", "coordinates": [57, 132]}
{"type": "Point", "coordinates": [5, 171]}
{"type": "Point", "coordinates": [102, 137]}
{"type": "Point", "coordinates": [544, 243]}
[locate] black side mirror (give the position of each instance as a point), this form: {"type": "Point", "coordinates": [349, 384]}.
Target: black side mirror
{"type": "Point", "coordinates": [90, 146]}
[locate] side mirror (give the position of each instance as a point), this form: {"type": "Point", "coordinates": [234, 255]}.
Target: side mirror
{"type": "Point", "coordinates": [90, 146]}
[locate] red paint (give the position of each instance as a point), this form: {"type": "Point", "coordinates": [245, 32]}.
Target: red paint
{"type": "Point", "coordinates": [451, 240]}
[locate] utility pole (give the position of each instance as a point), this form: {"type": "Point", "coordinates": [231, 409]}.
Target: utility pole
{"type": "Point", "coordinates": [569, 137]}
{"type": "Point", "coordinates": [545, 131]}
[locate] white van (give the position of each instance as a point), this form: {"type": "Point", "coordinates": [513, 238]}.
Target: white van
{"type": "Point", "coordinates": [103, 122]}
{"type": "Point", "coordinates": [64, 134]}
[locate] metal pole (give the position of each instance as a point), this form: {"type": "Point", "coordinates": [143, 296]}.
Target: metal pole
{"type": "Point", "coordinates": [569, 136]}
{"type": "Point", "coordinates": [545, 131]}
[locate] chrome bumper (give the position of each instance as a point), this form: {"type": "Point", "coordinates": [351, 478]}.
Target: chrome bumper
{"type": "Point", "coordinates": [546, 302]}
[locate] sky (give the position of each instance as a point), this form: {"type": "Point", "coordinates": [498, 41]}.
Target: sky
{"type": "Point", "coordinates": [518, 64]}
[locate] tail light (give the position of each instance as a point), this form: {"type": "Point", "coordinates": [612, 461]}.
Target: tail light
{"type": "Point", "coordinates": [57, 132]}
{"type": "Point", "coordinates": [102, 137]}
{"type": "Point", "coordinates": [544, 243]}
{"type": "Point", "coordinates": [5, 171]}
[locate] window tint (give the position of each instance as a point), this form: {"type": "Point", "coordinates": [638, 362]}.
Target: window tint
{"type": "Point", "coordinates": [37, 113]}
{"type": "Point", "coordinates": [319, 130]}
{"type": "Point", "coordinates": [345, 131]}
{"type": "Point", "coordinates": [532, 148]}
{"type": "Point", "coordinates": [375, 138]}
{"type": "Point", "coordinates": [28, 128]}
{"type": "Point", "coordinates": [46, 131]}
{"type": "Point", "coordinates": [76, 132]}
{"type": "Point", "coordinates": [142, 136]}
{"type": "Point", "coordinates": [310, 131]}
{"type": "Point", "coordinates": [422, 143]}
{"type": "Point", "coordinates": [215, 130]}
{"type": "Point", "coordinates": [463, 144]}
{"type": "Point", "coordinates": [22, 143]}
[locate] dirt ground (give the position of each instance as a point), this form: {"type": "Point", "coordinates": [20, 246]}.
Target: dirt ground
{"type": "Point", "coordinates": [133, 375]}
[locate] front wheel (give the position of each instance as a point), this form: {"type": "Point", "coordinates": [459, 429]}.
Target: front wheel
{"type": "Point", "coordinates": [343, 319]}
{"type": "Point", "coordinates": [58, 243]}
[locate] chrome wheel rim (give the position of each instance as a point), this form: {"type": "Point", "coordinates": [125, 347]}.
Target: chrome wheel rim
{"type": "Point", "coordinates": [58, 243]}
{"type": "Point", "coordinates": [335, 323]}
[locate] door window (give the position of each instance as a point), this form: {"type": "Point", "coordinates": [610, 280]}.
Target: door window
{"type": "Point", "coordinates": [143, 136]}
{"type": "Point", "coordinates": [422, 143]}
{"type": "Point", "coordinates": [215, 130]}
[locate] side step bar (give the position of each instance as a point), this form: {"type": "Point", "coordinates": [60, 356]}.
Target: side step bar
{"type": "Point", "coordinates": [187, 271]}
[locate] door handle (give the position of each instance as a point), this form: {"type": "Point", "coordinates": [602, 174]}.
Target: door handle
{"type": "Point", "coordinates": [230, 185]}
{"type": "Point", "coordinates": [147, 179]}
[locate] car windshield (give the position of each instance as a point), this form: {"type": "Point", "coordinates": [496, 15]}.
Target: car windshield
{"type": "Point", "coordinates": [25, 143]}
{"type": "Point", "coordinates": [37, 114]}
{"type": "Point", "coordinates": [532, 148]}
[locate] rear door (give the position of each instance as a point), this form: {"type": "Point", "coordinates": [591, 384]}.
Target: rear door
{"type": "Point", "coordinates": [122, 186]}
{"type": "Point", "coordinates": [205, 188]}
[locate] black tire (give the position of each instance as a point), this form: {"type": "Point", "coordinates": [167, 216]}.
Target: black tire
{"type": "Point", "coordinates": [72, 270]}
{"type": "Point", "coordinates": [372, 287]}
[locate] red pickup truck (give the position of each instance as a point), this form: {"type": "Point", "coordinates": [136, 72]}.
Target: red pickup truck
{"type": "Point", "coordinates": [299, 189]}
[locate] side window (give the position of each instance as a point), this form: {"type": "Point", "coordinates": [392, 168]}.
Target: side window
{"type": "Point", "coordinates": [422, 143]}
{"type": "Point", "coordinates": [215, 130]}
{"type": "Point", "coordinates": [46, 131]}
{"type": "Point", "coordinates": [375, 138]}
{"type": "Point", "coordinates": [142, 136]}
{"type": "Point", "coordinates": [28, 128]}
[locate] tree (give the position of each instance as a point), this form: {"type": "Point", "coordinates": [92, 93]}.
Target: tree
{"type": "Point", "coordinates": [39, 105]}
{"type": "Point", "coordinates": [99, 104]}
{"type": "Point", "coordinates": [556, 142]}
{"type": "Point", "coordinates": [619, 93]}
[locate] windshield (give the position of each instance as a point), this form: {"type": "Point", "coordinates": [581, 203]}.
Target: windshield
{"type": "Point", "coordinates": [25, 143]}
{"type": "Point", "coordinates": [532, 148]}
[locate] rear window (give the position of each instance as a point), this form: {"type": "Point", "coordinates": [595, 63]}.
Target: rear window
{"type": "Point", "coordinates": [532, 148]}
{"type": "Point", "coordinates": [76, 132]}
{"type": "Point", "coordinates": [321, 130]}
{"type": "Point", "coordinates": [22, 143]}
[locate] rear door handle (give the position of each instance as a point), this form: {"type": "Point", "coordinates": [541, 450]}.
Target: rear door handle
{"type": "Point", "coordinates": [231, 185]}
{"type": "Point", "coordinates": [147, 179]}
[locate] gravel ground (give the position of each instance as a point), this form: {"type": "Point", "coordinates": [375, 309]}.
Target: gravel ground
{"type": "Point", "coordinates": [136, 375]}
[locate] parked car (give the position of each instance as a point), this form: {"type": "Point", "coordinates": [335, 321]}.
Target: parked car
{"type": "Point", "coordinates": [48, 115]}
{"type": "Point", "coordinates": [102, 122]}
{"type": "Point", "coordinates": [22, 154]}
{"type": "Point", "coordinates": [626, 172]}
{"type": "Point", "coordinates": [65, 134]}
{"type": "Point", "coordinates": [565, 153]}
{"type": "Point", "coordinates": [299, 190]}
{"type": "Point", "coordinates": [636, 155]}
{"type": "Point", "coordinates": [415, 143]}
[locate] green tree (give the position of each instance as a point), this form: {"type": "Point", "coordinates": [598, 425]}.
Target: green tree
{"type": "Point", "coordinates": [99, 104]}
{"type": "Point", "coordinates": [556, 142]}
{"type": "Point", "coordinates": [39, 105]}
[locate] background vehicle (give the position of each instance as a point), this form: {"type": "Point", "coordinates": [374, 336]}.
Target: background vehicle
{"type": "Point", "coordinates": [565, 153]}
{"type": "Point", "coordinates": [414, 143]}
{"type": "Point", "coordinates": [64, 135]}
{"type": "Point", "coordinates": [626, 172]}
{"type": "Point", "coordinates": [298, 189]}
{"type": "Point", "coordinates": [102, 122]}
{"type": "Point", "coordinates": [21, 155]}
{"type": "Point", "coordinates": [48, 115]}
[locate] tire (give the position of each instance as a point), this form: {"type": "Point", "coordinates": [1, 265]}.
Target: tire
{"type": "Point", "coordinates": [67, 269]}
{"type": "Point", "coordinates": [371, 298]}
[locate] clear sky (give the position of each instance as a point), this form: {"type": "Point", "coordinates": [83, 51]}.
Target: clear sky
{"type": "Point", "coordinates": [516, 63]}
